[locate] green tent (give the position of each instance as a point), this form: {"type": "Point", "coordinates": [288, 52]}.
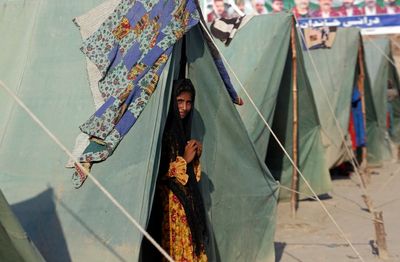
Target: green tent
{"type": "Point", "coordinates": [47, 71]}
{"type": "Point", "coordinates": [394, 104]}
{"type": "Point", "coordinates": [263, 63]}
{"type": "Point", "coordinates": [15, 245]}
{"type": "Point", "coordinates": [332, 74]}
{"type": "Point", "coordinates": [322, 74]}
{"type": "Point", "coordinates": [380, 71]}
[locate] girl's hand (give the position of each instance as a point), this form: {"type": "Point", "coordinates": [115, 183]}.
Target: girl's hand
{"type": "Point", "coordinates": [199, 149]}
{"type": "Point", "coordinates": [191, 149]}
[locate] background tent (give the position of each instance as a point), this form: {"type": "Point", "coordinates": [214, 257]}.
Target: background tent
{"type": "Point", "coordinates": [380, 71]}
{"type": "Point", "coordinates": [332, 75]}
{"type": "Point", "coordinates": [261, 56]}
{"type": "Point", "coordinates": [15, 245]}
{"type": "Point", "coordinates": [42, 63]}
{"type": "Point", "coordinates": [257, 55]}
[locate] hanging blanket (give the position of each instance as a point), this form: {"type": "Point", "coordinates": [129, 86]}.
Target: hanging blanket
{"type": "Point", "coordinates": [130, 49]}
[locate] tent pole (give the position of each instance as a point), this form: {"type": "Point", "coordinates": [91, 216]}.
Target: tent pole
{"type": "Point", "coordinates": [380, 233]}
{"type": "Point", "coordinates": [295, 179]}
{"type": "Point", "coordinates": [380, 242]}
{"type": "Point", "coordinates": [360, 83]}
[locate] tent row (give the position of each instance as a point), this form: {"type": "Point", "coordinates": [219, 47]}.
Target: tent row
{"type": "Point", "coordinates": [327, 80]}
{"type": "Point", "coordinates": [241, 162]}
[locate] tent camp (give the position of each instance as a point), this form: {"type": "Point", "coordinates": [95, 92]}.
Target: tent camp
{"type": "Point", "coordinates": [41, 62]}
{"type": "Point", "coordinates": [333, 73]}
{"type": "Point", "coordinates": [15, 245]}
{"type": "Point", "coordinates": [380, 73]}
{"type": "Point", "coordinates": [268, 79]}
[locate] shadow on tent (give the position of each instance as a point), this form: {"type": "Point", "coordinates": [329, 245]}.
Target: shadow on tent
{"type": "Point", "coordinates": [39, 218]}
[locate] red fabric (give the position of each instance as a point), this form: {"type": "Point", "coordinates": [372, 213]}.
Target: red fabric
{"type": "Point", "coordinates": [352, 132]}
{"type": "Point", "coordinates": [356, 11]}
{"type": "Point", "coordinates": [396, 10]}
{"type": "Point", "coordinates": [332, 13]}
{"type": "Point", "coordinates": [212, 16]}
{"type": "Point", "coordinates": [379, 10]}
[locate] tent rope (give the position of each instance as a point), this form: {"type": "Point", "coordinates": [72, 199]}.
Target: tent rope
{"type": "Point", "coordinates": [350, 154]}
{"type": "Point", "coordinates": [367, 37]}
{"type": "Point", "coordinates": [95, 181]}
{"type": "Point", "coordinates": [205, 29]}
{"type": "Point", "coordinates": [390, 179]}
{"type": "Point", "coordinates": [332, 205]}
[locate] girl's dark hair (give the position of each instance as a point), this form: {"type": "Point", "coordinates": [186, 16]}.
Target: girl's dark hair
{"type": "Point", "coordinates": [183, 85]}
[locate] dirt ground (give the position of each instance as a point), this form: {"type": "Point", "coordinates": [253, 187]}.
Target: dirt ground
{"type": "Point", "coordinates": [311, 236]}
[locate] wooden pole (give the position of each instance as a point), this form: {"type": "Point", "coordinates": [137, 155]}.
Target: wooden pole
{"type": "Point", "coordinates": [368, 202]}
{"type": "Point", "coordinates": [380, 236]}
{"type": "Point", "coordinates": [365, 177]}
{"type": "Point", "coordinates": [295, 179]}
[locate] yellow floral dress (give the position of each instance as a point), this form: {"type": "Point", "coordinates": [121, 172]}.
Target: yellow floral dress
{"type": "Point", "coordinates": [176, 235]}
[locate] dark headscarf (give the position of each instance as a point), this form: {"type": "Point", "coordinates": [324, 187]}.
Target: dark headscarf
{"type": "Point", "coordinates": [176, 134]}
{"type": "Point", "coordinates": [177, 131]}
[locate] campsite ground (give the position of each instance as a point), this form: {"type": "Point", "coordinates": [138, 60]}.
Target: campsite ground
{"type": "Point", "coordinates": [311, 236]}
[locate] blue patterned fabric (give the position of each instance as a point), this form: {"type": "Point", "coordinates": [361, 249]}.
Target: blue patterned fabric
{"type": "Point", "coordinates": [131, 49]}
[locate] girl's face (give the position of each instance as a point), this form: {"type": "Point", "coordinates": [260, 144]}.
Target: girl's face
{"type": "Point", "coordinates": [184, 100]}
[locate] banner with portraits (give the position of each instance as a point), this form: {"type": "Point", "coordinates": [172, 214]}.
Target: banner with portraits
{"type": "Point", "coordinates": [371, 15]}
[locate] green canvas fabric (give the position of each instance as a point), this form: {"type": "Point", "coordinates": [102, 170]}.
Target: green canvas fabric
{"type": "Point", "coordinates": [17, 23]}
{"type": "Point", "coordinates": [257, 55]}
{"type": "Point", "coordinates": [239, 178]}
{"type": "Point", "coordinates": [332, 75]}
{"type": "Point", "coordinates": [395, 125]}
{"type": "Point", "coordinates": [262, 62]}
{"type": "Point", "coordinates": [377, 67]}
{"type": "Point", "coordinates": [15, 245]}
{"type": "Point", "coordinates": [82, 225]}
{"type": "Point", "coordinates": [395, 132]}
{"type": "Point", "coordinates": [311, 151]}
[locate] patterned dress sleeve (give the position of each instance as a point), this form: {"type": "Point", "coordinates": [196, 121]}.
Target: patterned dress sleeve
{"type": "Point", "coordinates": [197, 169]}
{"type": "Point", "coordinates": [177, 169]}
